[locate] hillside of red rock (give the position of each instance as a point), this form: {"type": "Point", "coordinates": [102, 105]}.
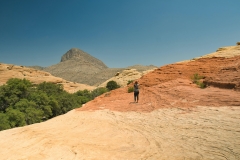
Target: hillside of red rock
{"type": "Point", "coordinates": [217, 71]}
{"type": "Point", "coordinates": [172, 86]}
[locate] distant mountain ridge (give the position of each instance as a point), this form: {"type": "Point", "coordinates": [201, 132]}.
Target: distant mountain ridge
{"type": "Point", "coordinates": [79, 66]}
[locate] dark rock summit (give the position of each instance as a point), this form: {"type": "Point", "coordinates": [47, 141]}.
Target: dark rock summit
{"type": "Point", "coordinates": [82, 57]}
{"type": "Point", "coordinates": [77, 66]}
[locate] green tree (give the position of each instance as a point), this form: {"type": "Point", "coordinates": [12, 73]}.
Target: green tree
{"type": "Point", "coordinates": [16, 118]}
{"type": "Point", "coordinates": [4, 122]}
{"type": "Point", "coordinates": [111, 85]}
{"type": "Point", "coordinates": [98, 91]}
{"type": "Point", "coordinates": [32, 113]}
{"type": "Point", "coordinates": [23, 104]}
{"type": "Point", "coordinates": [56, 109]}
{"type": "Point", "coordinates": [14, 90]}
{"type": "Point", "coordinates": [42, 101]}
{"type": "Point", "coordinates": [85, 94]}
{"type": "Point", "coordinates": [19, 87]}
{"type": "Point", "coordinates": [50, 88]}
{"type": "Point", "coordinates": [68, 102]}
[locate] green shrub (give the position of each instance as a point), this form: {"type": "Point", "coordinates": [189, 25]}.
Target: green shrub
{"type": "Point", "coordinates": [98, 91]}
{"type": "Point", "coordinates": [202, 85]}
{"type": "Point", "coordinates": [50, 88]}
{"type": "Point", "coordinates": [129, 82]}
{"type": "Point", "coordinates": [4, 122]}
{"type": "Point", "coordinates": [130, 89]}
{"type": "Point", "coordinates": [16, 118]}
{"type": "Point", "coordinates": [84, 93]}
{"type": "Point", "coordinates": [111, 85]}
{"type": "Point", "coordinates": [196, 78]}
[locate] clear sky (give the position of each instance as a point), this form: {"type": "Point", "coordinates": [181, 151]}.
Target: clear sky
{"type": "Point", "coordinates": [120, 33]}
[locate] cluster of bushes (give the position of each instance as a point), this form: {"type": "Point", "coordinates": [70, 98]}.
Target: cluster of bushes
{"type": "Point", "coordinates": [130, 88]}
{"type": "Point", "coordinates": [113, 85]}
{"type": "Point", "coordinates": [23, 103]}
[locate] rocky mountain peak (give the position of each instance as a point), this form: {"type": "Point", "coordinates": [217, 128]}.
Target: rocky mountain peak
{"type": "Point", "coordinates": [77, 65]}
{"type": "Point", "coordinates": [82, 57]}
{"type": "Point", "coordinates": [74, 53]}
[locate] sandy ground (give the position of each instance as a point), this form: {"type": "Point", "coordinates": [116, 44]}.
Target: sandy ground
{"type": "Point", "coordinates": [168, 133]}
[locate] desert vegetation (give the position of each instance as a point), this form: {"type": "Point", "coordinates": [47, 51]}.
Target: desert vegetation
{"type": "Point", "coordinates": [130, 89]}
{"type": "Point", "coordinates": [111, 85]}
{"type": "Point", "coordinates": [196, 78]}
{"type": "Point", "coordinates": [129, 82]}
{"type": "Point", "coordinates": [23, 103]}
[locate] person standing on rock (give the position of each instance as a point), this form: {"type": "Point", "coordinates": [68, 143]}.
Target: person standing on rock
{"type": "Point", "coordinates": [136, 92]}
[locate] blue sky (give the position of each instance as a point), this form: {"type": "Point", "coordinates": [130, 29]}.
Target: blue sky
{"type": "Point", "coordinates": [120, 33]}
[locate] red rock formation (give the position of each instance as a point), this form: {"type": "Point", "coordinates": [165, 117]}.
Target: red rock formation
{"type": "Point", "coordinates": [171, 86]}
{"type": "Point", "coordinates": [218, 71]}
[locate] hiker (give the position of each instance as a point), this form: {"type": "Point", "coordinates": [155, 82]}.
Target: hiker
{"type": "Point", "coordinates": [136, 92]}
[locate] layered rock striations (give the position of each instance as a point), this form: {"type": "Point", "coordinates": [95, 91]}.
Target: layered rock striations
{"type": "Point", "coordinates": [216, 71]}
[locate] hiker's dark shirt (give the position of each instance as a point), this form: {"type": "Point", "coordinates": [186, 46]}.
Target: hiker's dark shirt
{"type": "Point", "coordinates": [136, 88]}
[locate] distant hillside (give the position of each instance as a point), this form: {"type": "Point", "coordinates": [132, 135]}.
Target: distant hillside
{"type": "Point", "coordinates": [107, 74]}
{"type": "Point", "coordinates": [79, 66]}
{"type": "Point", "coordinates": [8, 71]}
{"type": "Point", "coordinates": [36, 67]}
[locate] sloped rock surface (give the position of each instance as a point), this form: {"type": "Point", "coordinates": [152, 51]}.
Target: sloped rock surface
{"type": "Point", "coordinates": [179, 93]}
{"type": "Point", "coordinates": [169, 133]}
{"type": "Point", "coordinates": [219, 72]}
{"type": "Point", "coordinates": [225, 52]}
